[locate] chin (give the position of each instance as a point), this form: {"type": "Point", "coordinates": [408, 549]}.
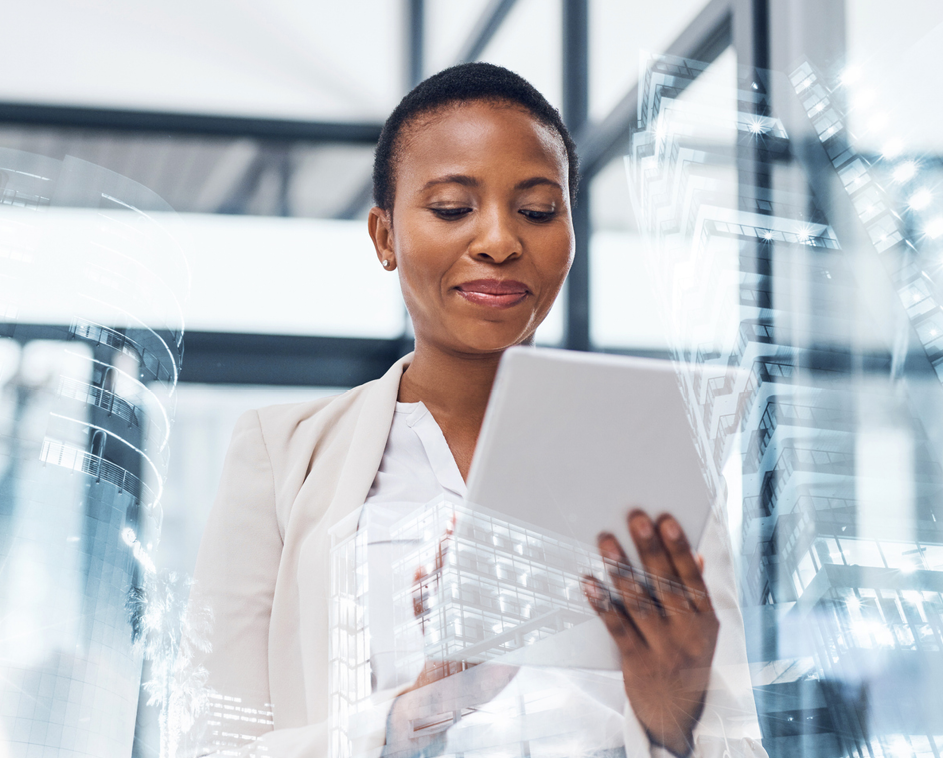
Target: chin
{"type": "Point", "coordinates": [493, 339]}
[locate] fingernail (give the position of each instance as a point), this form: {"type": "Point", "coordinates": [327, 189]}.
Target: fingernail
{"type": "Point", "coordinates": [672, 532]}
{"type": "Point", "coordinates": [643, 527]}
{"type": "Point", "coordinates": [606, 543]}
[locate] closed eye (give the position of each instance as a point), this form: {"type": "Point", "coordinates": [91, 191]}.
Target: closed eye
{"type": "Point", "coordinates": [538, 216]}
{"type": "Point", "coordinates": [451, 214]}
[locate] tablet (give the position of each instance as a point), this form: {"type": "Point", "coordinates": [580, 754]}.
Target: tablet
{"type": "Point", "coordinates": [570, 442]}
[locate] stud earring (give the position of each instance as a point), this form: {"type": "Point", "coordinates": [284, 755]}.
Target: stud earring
{"type": "Point", "coordinates": [386, 264]}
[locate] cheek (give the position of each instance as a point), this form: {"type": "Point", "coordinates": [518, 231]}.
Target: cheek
{"type": "Point", "coordinates": [555, 265]}
{"type": "Point", "coordinates": [423, 260]}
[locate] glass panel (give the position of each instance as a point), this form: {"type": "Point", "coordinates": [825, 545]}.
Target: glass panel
{"type": "Point", "coordinates": [796, 265]}
{"type": "Point", "coordinates": [619, 33]}
{"type": "Point", "coordinates": [254, 275]}
{"type": "Point", "coordinates": [528, 42]}
{"type": "Point", "coordinates": [624, 303]}
{"type": "Point", "coordinates": [217, 174]}
{"type": "Point", "coordinates": [314, 61]}
{"type": "Point", "coordinates": [448, 26]}
{"type": "Point", "coordinates": [306, 277]}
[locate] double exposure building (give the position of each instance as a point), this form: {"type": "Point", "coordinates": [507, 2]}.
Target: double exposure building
{"type": "Point", "coordinates": [841, 555]}
{"type": "Point", "coordinates": [501, 585]}
{"type": "Point", "coordinates": [90, 349]}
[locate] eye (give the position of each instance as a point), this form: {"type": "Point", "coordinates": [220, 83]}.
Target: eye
{"type": "Point", "coordinates": [451, 214]}
{"type": "Point", "coordinates": [538, 216]}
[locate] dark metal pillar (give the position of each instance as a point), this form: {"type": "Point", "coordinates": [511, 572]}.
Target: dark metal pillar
{"type": "Point", "coordinates": [575, 114]}
{"type": "Point", "coordinates": [415, 42]}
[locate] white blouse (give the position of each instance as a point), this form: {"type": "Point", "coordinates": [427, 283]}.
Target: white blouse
{"type": "Point", "coordinates": [590, 712]}
{"type": "Point", "coordinates": [417, 464]}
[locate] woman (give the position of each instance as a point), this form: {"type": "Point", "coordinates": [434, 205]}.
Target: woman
{"type": "Point", "coordinates": [474, 181]}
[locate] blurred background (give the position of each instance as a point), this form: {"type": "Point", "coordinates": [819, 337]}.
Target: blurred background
{"type": "Point", "coordinates": [246, 132]}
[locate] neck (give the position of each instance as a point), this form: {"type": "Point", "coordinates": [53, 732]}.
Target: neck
{"type": "Point", "coordinates": [455, 387]}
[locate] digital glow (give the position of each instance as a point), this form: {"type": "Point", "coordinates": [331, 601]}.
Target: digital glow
{"type": "Point", "coordinates": [805, 232]}
{"type": "Point", "coordinates": [920, 200]}
{"type": "Point", "coordinates": [864, 98]}
{"type": "Point", "coordinates": [905, 171]}
{"type": "Point", "coordinates": [850, 75]}
{"type": "Point", "coordinates": [892, 148]}
{"type": "Point", "coordinates": [934, 227]}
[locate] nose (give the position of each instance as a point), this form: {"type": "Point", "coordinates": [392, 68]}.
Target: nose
{"type": "Point", "coordinates": [496, 239]}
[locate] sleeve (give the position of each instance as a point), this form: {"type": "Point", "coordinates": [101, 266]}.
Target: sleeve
{"type": "Point", "coordinates": [729, 725]}
{"type": "Point", "coordinates": [222, 704]}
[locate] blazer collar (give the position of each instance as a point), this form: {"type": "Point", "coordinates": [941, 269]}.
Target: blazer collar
{"type": "Point", "coordinates": [368, 441]}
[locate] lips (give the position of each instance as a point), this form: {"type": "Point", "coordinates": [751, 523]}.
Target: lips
{"type": "Point", "coordinates": [494, 293]}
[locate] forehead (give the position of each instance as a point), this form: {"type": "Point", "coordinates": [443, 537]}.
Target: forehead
{"type": "Point", "coordinates": [477, 136]}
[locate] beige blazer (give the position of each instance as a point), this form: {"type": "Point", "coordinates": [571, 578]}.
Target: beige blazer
{"type": "Point", "coordinates": [291, 473]}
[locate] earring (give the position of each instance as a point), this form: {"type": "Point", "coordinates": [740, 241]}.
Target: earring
{"type": "Point", "coordinates": [386, 264]}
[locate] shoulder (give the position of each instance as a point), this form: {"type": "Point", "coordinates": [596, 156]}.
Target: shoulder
{"type": "Point", "coordinates": [294, 430]}
{"type": "Point", "coordinates": [281, 433]}
{"type": "Point", "coordinates": [280, 424]}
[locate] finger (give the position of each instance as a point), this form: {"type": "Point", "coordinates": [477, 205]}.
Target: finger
{"type": "Point", "coordinates": [625, 633]}
{"type": "Point", "coordinates": [663, 580]}
{"type": "Point", "coordinates": [631, 595]}
{"type": "Point", "coordinates": [423, 578]}
{"type": "Point", "coordinates": [418, 583]}
{"type": "Point", "coordinates": [443, 548]}
{"type": "Point", "coordinates": [688, 567]}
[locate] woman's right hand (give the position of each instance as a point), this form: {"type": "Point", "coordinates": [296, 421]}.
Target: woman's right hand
{"type": "Point", "coordinates": [422, 714]}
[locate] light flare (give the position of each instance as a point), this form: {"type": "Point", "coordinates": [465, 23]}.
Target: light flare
{"type": "Point", "coordinates": [905, 172]}
{"type": "Point", "coordinates": [920, 200]}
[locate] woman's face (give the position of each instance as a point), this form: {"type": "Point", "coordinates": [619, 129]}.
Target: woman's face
{"type": "Point", "coordinates": [481, 228]}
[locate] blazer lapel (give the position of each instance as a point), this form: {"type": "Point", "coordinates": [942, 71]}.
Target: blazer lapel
{"type": "Point", "coordinates": [368, 442]}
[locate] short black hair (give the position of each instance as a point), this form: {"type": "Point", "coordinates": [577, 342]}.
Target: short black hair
{"type": "Point", "coordinates": [466, 82]}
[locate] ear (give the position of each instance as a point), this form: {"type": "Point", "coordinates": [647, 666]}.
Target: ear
{"type": "Point", "coordinates": [380, 224]}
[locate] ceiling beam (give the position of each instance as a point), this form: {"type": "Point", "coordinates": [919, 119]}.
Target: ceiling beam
{"type": "Point", "coordinates": [704, 39]}
{"type": "Point", "coordinates": [162, 122]}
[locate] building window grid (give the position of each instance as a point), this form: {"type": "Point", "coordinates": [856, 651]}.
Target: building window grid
{"type": "Point", "coordinates": [502, 585]}
{"type": "Point", "coordinates": [494, 561]}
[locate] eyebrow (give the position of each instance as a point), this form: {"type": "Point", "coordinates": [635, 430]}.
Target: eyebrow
{"type": "Point", "coordinates": [470, 181]}
{"type": "Point", "coordinates": [465, 181]}
{"type": "Point", "coordinates": [537, 181]}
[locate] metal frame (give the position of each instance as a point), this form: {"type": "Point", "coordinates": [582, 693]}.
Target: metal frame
{"type": "Point", "coordinates": [576, 115]}
{"type": "Point", "coordinates": [708, 35]}
{"type": "Point", "coordinates": [189, 124]}
{"type": "Point", "coordinates": [330, 361]}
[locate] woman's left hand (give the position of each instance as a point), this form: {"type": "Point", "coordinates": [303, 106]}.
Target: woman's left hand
{"type": "Point", "coordinates": [664, 624]}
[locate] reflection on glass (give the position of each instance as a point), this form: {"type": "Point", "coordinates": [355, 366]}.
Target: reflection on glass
{"type": "Point", "coordinates": [809, 298]}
